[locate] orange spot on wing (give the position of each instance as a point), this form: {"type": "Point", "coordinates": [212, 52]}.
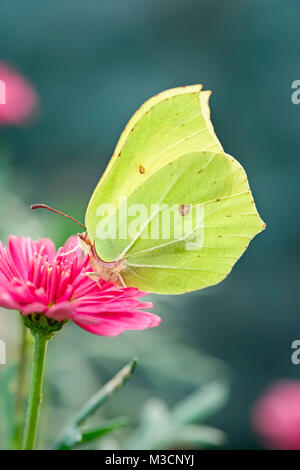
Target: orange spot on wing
{"type": "Point", "coordinates": [184, 209]}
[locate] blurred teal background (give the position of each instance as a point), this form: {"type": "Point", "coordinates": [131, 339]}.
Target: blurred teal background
{"type": "Point", "coordinates": [92, 64]}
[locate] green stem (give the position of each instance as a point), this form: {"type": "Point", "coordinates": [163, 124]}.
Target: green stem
{"type": "Point", "coordinates": [21, 387]}
{"type": "Point", "coordinates": [35, 397]}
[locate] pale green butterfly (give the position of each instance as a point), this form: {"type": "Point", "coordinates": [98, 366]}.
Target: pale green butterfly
{"type": "Point", "coordinates": [179, 211]}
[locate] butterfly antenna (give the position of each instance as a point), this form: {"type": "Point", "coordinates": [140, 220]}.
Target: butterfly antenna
{"type": "Point", "coordinates": [44, 206]}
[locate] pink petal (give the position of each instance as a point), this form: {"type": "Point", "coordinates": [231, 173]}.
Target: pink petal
{"type": "Point", "coordinates": [33, 276]}
{"type": "Point", "coordinates": [71, 243]}
{"type": "Point", "coordinates": [21, 99]}
{"type": "Point", "coordinates": [101, 329]}
{"type": "Point", "coordinates": [35, 307]}
{"type": "Point", "coordinates": [61, 311]}
{"type": "Point", "coordinates": [69, 249]}
{"type": "Point", "coordinates": [21, 250]}
{"type": "Point", "coordinates": [6, 301]}
{"type": "Point", "coordinates": [46, 246]}
{"type": "Point", "coordinates": [276, 415]}
{"type": "Point", "coordinates": [110, 324]}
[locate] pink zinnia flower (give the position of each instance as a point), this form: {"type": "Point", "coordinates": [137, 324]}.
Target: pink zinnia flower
{"type": "Point", "coordinates": [20, 98]}
{"type": "Point", "coordinates": [36, 279]}
{"type": "Point", "coordinates": [276, 416]}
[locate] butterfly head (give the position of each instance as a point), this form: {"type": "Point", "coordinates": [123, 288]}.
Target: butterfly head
{"type": "Point", "coordinates": [107, 270]}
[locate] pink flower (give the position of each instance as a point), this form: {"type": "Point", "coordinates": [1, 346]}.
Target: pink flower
{"type": "Point", "coordinates": [20, 100]}
{"type": "Point", "coordinates": [36, 279]}
{"type": "Point", "coordinates": [276, 416]}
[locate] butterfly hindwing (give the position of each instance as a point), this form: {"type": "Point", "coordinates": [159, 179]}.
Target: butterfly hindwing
{"type": "Point", "coordinates": [196, 218]}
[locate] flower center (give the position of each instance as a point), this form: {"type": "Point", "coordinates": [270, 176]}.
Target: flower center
{"type": "Point", "coordinates": [54, 278]}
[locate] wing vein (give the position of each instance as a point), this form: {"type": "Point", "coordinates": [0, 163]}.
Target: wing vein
{"type": "Point", "coordinates": [174, 267]}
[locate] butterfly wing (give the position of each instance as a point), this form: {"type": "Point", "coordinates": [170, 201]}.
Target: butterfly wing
{"type": "Point", "coordinates": [186, 226]}
{"type": "Point", "coordinates": [170, 124]}
{"type": "Point", "coordinates": [179, 211]}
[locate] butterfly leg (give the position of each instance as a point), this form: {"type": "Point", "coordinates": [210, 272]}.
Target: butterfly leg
{"type": "Point", "coordinates": [115, 278]}
{"type": "Point", "coordinates": [119, 279]}
{"type": "Point", "coordinates": [94, 276]}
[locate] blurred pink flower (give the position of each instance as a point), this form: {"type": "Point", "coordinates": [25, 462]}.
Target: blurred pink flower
{"type": "Point", "coordinates": [276, 416]}
{"type": "Point", "coordinates": [36, 279]}
{"type": "Point", "coordinates": [20, 98]}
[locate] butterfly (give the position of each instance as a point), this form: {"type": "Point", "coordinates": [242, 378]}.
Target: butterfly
{"type": "Point", "coordinates": [172, 212]}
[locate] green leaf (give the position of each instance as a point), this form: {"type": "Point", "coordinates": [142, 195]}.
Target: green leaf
{"type": "Point", "coordinates": [82, 437]}
{"type": "Point", "coordinates": [155, 411]}
{"type": "Point", "coordinates": [193, 436]}
{"type": "Point", "coordinates": [162, 428]}
{"type": "Point", "coordinates": [105, 428]}
{"type": "Point", "coordinates": [73, 433]}
{"type": "Point", "coordinates": [202, 404]}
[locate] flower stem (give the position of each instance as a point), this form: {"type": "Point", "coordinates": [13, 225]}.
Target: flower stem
{"type": "Point", "coordinates": [21, 387]}
{"type": "Point", "coordinates": [35, 397]}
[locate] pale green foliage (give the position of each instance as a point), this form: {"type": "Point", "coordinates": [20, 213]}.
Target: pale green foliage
{"type": "Point", "coordinates": [183, 425]}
